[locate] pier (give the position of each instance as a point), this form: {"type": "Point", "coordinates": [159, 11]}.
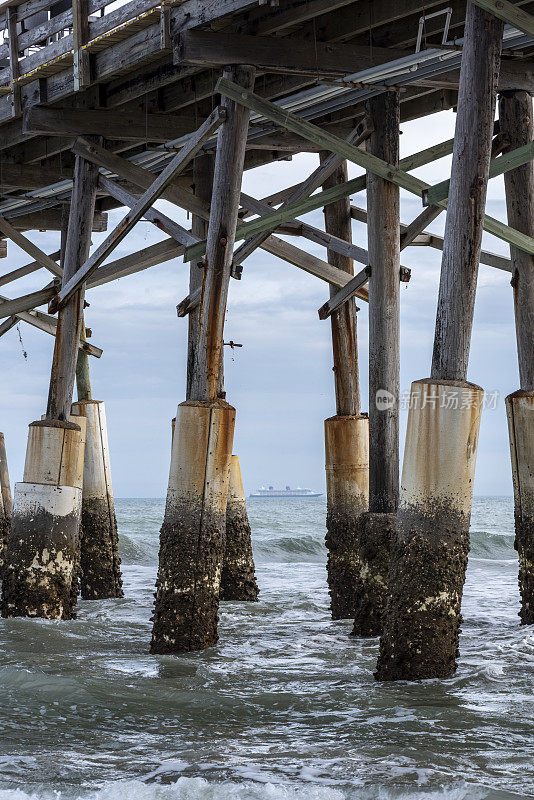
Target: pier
{"type": "Point", "coordinates": [105, 107]}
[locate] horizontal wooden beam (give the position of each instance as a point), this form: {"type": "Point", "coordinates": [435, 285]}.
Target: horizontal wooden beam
{"type": "Point", "coordinates": [344, 294]}
{"type": "Point", "coordinates": [26, 176]}
{"type": "Point", "coordinates": [498, 166]}
{"type": "Point", "coordinates": [276, 54]}
{"type": "Point", "coordinates": [123, 125]}
{"type": "Point", "coordinates": [49, 219]}
{"type": "Point", "coordinates": [48, 324]}
{"type": "Point", "coordinates": [358, 156]}
{"type": "Point", "coordinates": [27, 302]}
{"type": "Point", "coordinates": [177, 165]}
{"type": "Point", "coordinates": [509, 13]}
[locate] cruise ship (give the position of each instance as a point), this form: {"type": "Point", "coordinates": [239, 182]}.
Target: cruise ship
{"type": "Point", "coordinates": [287, 492]}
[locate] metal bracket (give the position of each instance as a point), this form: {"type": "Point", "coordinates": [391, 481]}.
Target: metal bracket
{"type": "Point", "coordinates": [422, 20]}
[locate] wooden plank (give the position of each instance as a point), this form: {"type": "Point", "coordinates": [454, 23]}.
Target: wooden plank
{"type": "Point", "coordinates": [383, 235]}
{"type": "Point", "coordinates": [358, 156]}
{"type": "Point", "coordinates": [340, 297]}
{"type": "Point", "coordinates": [517, 126]}
{"type": "Point", "coordinates": [160, 220]}
{"type": "Point", "coordinates": [27, 301]}
{"type": "Point", "coordinates": [26, 176]}
{"type": "Point", "coordinates": [277, 54]}
{"type": "Point", "coordinates": [229, 161]}
{"type": "Point", "coordinates": [189, 303]}
{"type": "Point", "coordinates": [344, 321]}
{"type": "Point", "coordinates": [29, 247]}
{"type": "Point", "coordinates": [177, 165]}
{"type": "Point", "coordinates": [510, 160]}
{"type": "Point", "coordinates": [417, 226]}
{"type": "Point", "coordinates": [510, 13]}
{"type": "Point", "coordinates": [123, 125]}
{"type": "Point", "coordinates": [21, 272]}
{"type": "Point", "coordinates": [7, 324]}
{"type": "Point", "coordinates": [80, 35]}
{"type": "Point", "coordinates": [469, 177]}
{"type": "Point", "coordinates": [49, 219]}
{"type": "Point", "coordinates": [14, 67]}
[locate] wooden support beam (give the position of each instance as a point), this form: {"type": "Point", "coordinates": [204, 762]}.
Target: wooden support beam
{"type": "Point", "coordinates": [276, 54]}
{"type": "Point", "coordinates": [189, 303]}
{"type": "Point", "coordinates": [29, 247]}
{"type": "Point", "coordinates": [469, 177]}
{"type": "Point", "coordinates": [358, 156]}
{"type": "Point", "coordinates": [383, 233]}
{"type": "Point", "coordinates": [303, 190]}
{"type": "Point", "coordinates": [80, 36]}
{"type": "Point", "coordinates": [21, 272]}
{"type": "Point", "coordinates": [344, 321]}
{"type": "Point", "coordinates": [27, 302]}
{"type": "Point", "coordinates": [340, 297]}
{"type": "Point", "coordinates": [70, 319]}
{"type": "Point", "coordinates": [7, 324]}
{"type": "Point", "coordinates": [26, 176]}
{"type": "Point", "coordinates": [517, 125]}
{"type": "Point", "coordinates": [122, 125]}
{"type": "Point", "coordinates": [177, 165]}
{"type": "Point", "coordinates": [14, 69]}
{"type": "Point", "coordinates": [49, 219]}
{"type": "Point", "coordinates": [417, 226]}
{"type": "Point", "coordinates": [160, 220]}
{"type": "Point", "coordinates": [229, 160]}
{"type": "Point", "coordinates": [510, 160]}
{"type": "Point", "coordinates": [508, 12]}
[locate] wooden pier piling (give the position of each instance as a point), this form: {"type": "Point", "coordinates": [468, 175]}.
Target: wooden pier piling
{"type": "Point", "coordinates": [192, 535]}
{"type": "Point", "coordinates": [383, 231]}
{"type": "Point", "coordinates": [517, 129]}
{"type": "Point", "coordinates": [346, 434]}
{"type": "Point", "coordinates": [429, 554]}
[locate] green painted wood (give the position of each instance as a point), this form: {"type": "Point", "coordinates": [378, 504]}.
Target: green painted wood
{"type": "Point", "coordinates": [369, 162]}
{"type": "Point", "coordinates": [498, 166]}
{"type": "Point", "coordinates": [509, 13]}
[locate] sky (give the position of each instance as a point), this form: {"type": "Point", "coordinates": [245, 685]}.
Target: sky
{"type": "Point", "coordinates": [281, 380]}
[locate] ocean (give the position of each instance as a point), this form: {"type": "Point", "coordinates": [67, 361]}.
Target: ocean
{"type": "Point", "coordinates": [285, 707]}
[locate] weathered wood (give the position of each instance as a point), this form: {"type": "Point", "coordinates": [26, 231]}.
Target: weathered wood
{"type": "Point", "coordinates": [228, 170]}
{"type": "Point", "coordinates": [203, 168]}
{"type": "Point", "coordinates": [517, 126]}
{"type": "Point", "coordinates": [417, 226]}
{"type": "Point", "coordinates": [21, 272]}
{"type": "Point", "coordinates": [123, 125]}
{"type": "Point", "coordinates": [14, 69]}
{"type": "Point", "coordinates": [27, 302]}
{"type": "Point", "coordinates": [358, 156]}
{"type": "Point", "coordinates": [24, 176]}
{"type": "Point", "coordinates": [383, 233]}
{"type": "Point", "coordinates": [341, 296]}
{"type": "Point", "coordinates": [467, 198]}
{"type": "Point", "coordinates": [7, 324]}
{"type": "Point", "coordinates": [158, 218]}
{"type": "Point", "coordinates": [508, 12]}
{"type": "Point", "coordinates": [30, 248]}
{"type": "Point", "coordinates": [49, 219]}
{"type": "Point", "coordinates": [80, 36]}
{"type": "Point", "coordinates": [177, 165]}
{"type": "Point", "coordinates": [303, 190]}
{"type": "Point", "coordinates": [344, 322]}
{"type": "Point", "coordinates": [276, 54]}
{"type": "Point", "coordinates": [511, 160]}
{"type": "Point", "coordinates": [70, 319]}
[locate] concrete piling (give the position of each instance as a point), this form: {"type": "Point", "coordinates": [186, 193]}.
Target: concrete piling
{"type": "Point", "coordinates": [520, 413]}
{"type": "Point", "coordinates": [6, 502]}
{"type": "Point", "coordinates": [347, 489]}
{"type": "Point", "coordinates": [238, 579]}
{"type": "Point", "coordinates": [193, 531]}
{"type": "Point", "coordinates": [100, 561]}
{"type": "Point", "coordinates": [429, 554]}
{"type": "Point", "coordinates": [41, 567]}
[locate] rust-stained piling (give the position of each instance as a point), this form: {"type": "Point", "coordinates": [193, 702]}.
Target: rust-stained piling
{"type": "Point", "coordinates": [429, 554]}
{"type": "Point", "coordinates": [192, 535]}
{"type": "Point", "coordinates": [238, 579]}
{"type": "Point", "coordinates": [41, 567]}
{"type": "Point", "coordinates": [347, 489]}
{"type": "Point", "coordinates": [6, 502]}
{"type": "Point", "coordinates": [100, 561]}
{"type": "Point", "coordinates": [517, 129]}
{"type": "Point", "coordinates": [520, 413]}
